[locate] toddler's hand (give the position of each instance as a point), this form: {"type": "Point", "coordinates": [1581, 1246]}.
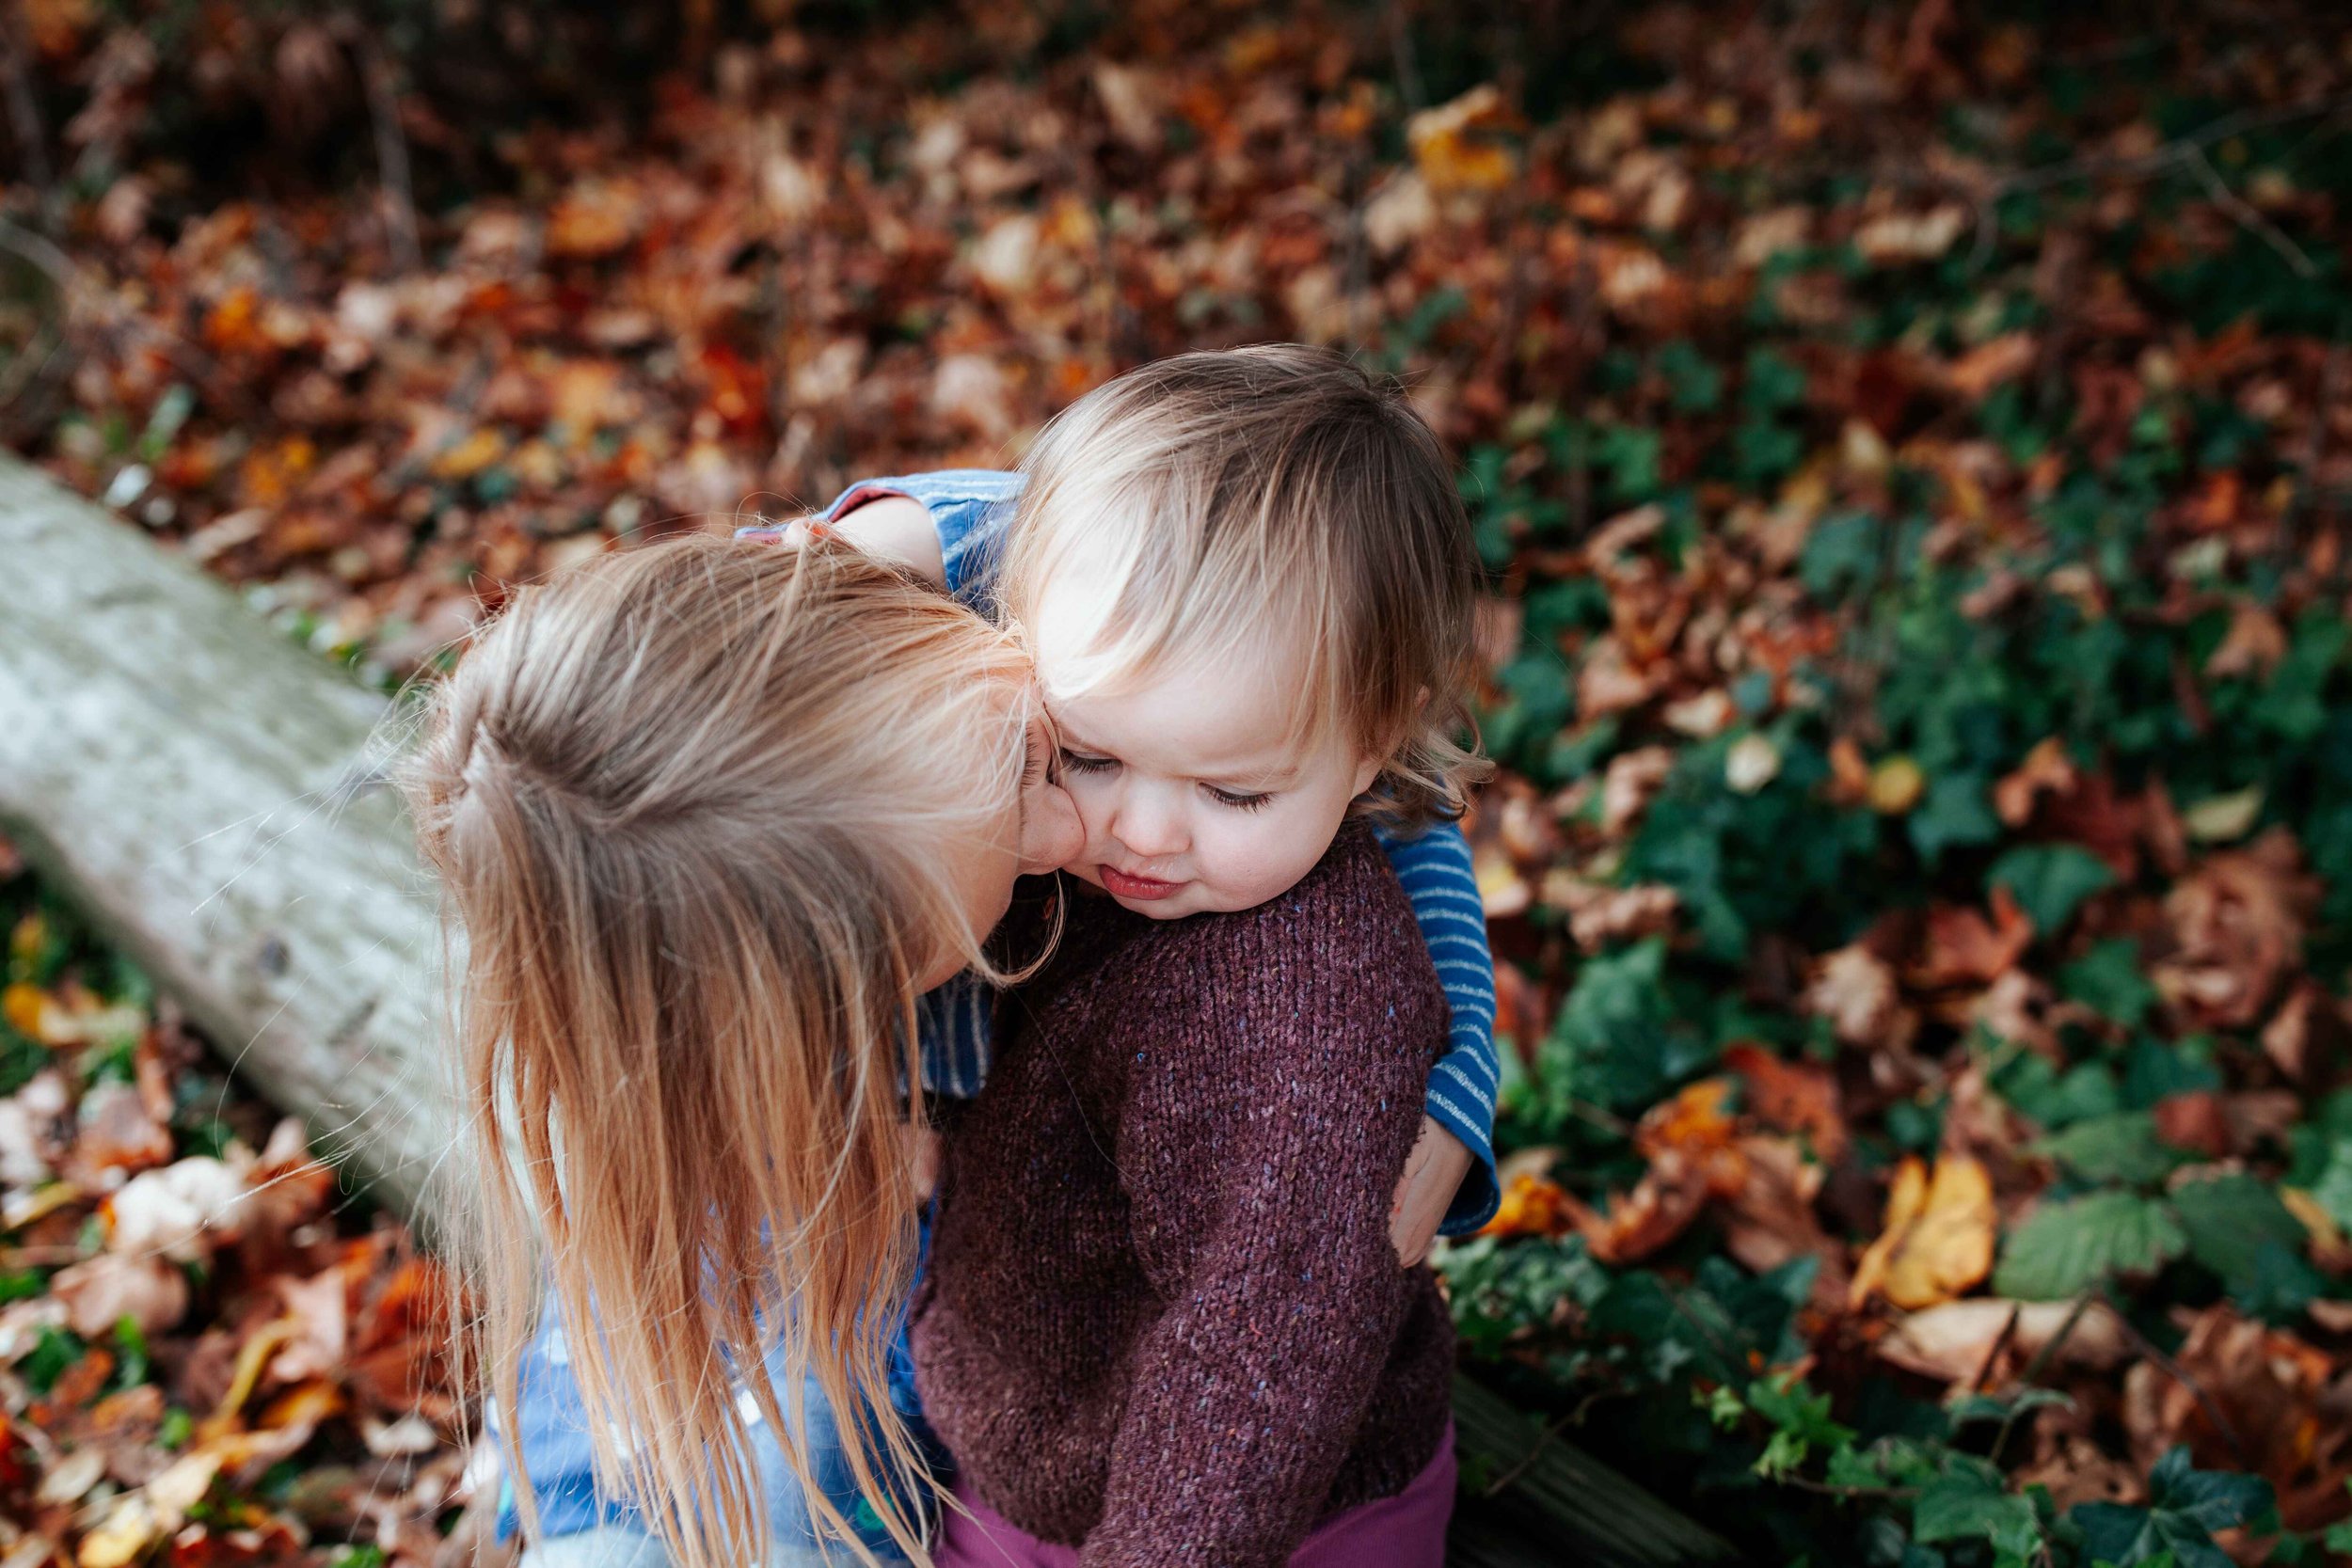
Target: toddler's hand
{"type": "Point", "coordinates": [1432, 1175]}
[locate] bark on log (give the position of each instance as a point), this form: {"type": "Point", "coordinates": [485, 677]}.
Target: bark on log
{"type": "Point", "coordinates": [208, 793]}
{"type": "Point", "coordinates": [212, 797]}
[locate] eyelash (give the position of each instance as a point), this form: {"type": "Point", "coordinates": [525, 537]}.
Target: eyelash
{"type": "Point", "coordinates": [1077, 762]}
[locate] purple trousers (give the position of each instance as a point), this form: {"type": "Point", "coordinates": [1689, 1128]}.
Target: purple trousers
{"type": "Point", "coordinates": [1403, 1532]}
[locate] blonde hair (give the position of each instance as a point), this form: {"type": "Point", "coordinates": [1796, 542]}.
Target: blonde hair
{"type": "Point", "coordinates": [1263, 501]}
{"type": "Point", "coordinates": [688, 805]}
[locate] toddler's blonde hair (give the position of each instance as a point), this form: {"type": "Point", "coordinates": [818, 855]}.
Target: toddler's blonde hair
{"type": "Point", "coordinates": [1271, 502]}
{"type": "Point", "coordinates": [689, 807]}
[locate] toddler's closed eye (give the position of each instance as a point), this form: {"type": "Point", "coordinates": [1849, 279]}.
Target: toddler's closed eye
{"type": "Point", "coordinates": [1237, 801]}
{"type": "Point", "coordinates": [1078, 762]}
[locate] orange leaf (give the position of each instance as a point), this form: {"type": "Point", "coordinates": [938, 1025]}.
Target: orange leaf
{"type": "Point", "coordinates": [1532, 1206]}
{"type": "Point", "coordinates": [1454, 147]}
{"type": "Point", "coordinates": [1694, 1121]}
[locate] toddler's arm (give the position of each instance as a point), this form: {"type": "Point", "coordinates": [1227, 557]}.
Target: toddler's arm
{"type": "Point", "coordinates": [1434, 869]}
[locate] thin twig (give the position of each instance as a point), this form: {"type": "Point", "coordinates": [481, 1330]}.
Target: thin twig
{"type": "Point", "coordinates": [391, 148]}
{"type": "Point", "coordinates": [2173, 152]}
{"type": "Point", "coordinates": [41, 251]}
{"type": "Point", "coordinates": [1401, 47]}
{"type": "Point", "coordinates": [32, 145]}
{"type": "Point", "coordinates": [1832, 1489]}
{"type": "Point", "coordinates": [2040, 1363]}
{"type": "Point", "coordinates": [2000, 1343]}
{"type": "Point", "coordinates": [2180, 1374]}
{"type": "Point", "coordinates": [1548, 1435]}
{"type": "Point", "coordinates": [2248, 217]}
{"type": "Point", "coordinates": [2184, 150]}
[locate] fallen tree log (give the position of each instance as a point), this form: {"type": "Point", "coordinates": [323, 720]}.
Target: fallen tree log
{"type": "Point", "coordinates": [209, 795]}
{"type": "Point", "coordinates": [215, 800]}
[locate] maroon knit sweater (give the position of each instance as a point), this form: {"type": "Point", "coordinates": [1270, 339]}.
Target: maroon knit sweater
{"type": "Point", "coordinates": [1163, 1320]}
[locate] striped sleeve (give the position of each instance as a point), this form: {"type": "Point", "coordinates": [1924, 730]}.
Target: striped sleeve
{"type": "Point", "coordinates": [1434, 869]}
{"type": "Point", "coordinates": [952, 1032]}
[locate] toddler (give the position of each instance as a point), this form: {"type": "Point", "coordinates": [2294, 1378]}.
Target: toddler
{"type": "Point", "coordinates": [1161, 1322]}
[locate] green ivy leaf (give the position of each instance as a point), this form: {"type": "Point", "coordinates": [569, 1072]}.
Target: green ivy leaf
{"type": "Point", "coordinates": [2230, 1220]}
{"type": "Point", "coordinates": [2108, 981]}
{"type": "Point", "coordinates": [1956, 814]}
{"type": "Point", "coordinates": [2050, 881]}
{"type": "Point", "coordinates": [1969, 1503]}
{"type": "Point", "coordinates": [2185, 1507]}
{"type": "Point", "coordinates": [2119, 1147]}
{"type": "Point", "coordinates": [2062, 1247]}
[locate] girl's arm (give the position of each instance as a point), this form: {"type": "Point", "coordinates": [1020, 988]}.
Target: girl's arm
{"type": "Point", "coordinates": [1452, 1172]}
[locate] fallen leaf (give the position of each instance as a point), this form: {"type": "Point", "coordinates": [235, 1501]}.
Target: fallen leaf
{"type": "Point", "coordinates": [177, 1210]}
{"type": "Point", "coordinates": [2046, 769]}
{"type": "Point", "coordinates": [1952, 1341]}
{"type": "Point", "coordinates": [1964, 948]}
{"type": "Point", "coordinates": [1454, 145]}
{"type": "Point", "coordinates": [1633, 780]}
{"type": "Point", "coordinates": [102, 1291]}
{"type": "Point", "coordinates": [1795, 1097]}
{"type": "Point", "coordinates": [1751, 763]}
{"type": "Point", "coordinates": [2237, 920]}
{"type": "Point", "coordinates": [1938, 1240]}
{"type": "Point", "coordinates": [1855, 988]}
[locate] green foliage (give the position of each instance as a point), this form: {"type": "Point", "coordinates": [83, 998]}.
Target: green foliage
{"type": "Point", "coordinates": [2185, 1507]}
{"type": "Point", "coordinates": [2066, 1246]}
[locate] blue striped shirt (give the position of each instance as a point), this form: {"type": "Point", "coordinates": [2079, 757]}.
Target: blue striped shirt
{"type": "Point", "coordinates": [972, 509]}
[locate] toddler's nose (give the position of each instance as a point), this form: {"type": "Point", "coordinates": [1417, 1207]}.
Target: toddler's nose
{"type": "Point", "coordinates": [1148, 825]}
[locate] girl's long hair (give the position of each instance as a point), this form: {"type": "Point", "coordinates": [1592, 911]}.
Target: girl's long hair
{"type": "Point", "coordinates": [689, 806]}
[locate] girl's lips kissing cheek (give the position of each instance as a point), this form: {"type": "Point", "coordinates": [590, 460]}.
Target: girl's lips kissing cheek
{"type": "Point", "coordinates": [1125, 886]}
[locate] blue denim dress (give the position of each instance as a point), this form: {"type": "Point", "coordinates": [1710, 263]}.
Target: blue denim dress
{"type": "Point", "coordinates": [551, 1430]}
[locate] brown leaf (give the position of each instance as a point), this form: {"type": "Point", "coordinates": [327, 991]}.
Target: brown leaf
{"type": "Point", "coordinates": [1633, 780]}
{"type": "Point", "coordinates": [1953, 1341]}
{"type": "Point", "coordinates": [1607, 681]}
{"type": "Point", "coordinates": [2048, 768]}
{"type": "Point", "coordinates": [2305, 1037]}
{"type": "Point", "coordinates": [117, 1133]}
{"type": "Point", "coordinates": [100, 1290]}
{"type": "Point", "coordinates": [1991, 363]}
{"type": "Point", "coordinates": [2237, 920]}
{"type": "Point", "coordinates": [1964, 948]}
{"type": "Point", "coordinates": [1855, 988]}
{"type": "Point", "coordinates": [1769, 1220]}
{"type": "Point", "coordinates": [1795, 1097]}
{"type": "Point", "coordinates": [2267, 1390]}
{"type": "Point", "coordinates": [2195, 1122]}
{"type": "Point", "coordinates": [2253, 645]}
{"type": "Point", "coordinates": [1599, 915]}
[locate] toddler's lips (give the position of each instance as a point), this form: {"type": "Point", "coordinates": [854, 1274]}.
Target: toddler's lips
{"type": "Point", "coordinates": [1125, 886]}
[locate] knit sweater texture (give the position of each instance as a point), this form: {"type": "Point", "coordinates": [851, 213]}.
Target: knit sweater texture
{"type": "Point", "coordinates": [1163, 1321]}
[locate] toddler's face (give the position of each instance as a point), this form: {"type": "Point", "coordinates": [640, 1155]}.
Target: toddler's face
{"type": "Point", "coordinates": [1193, 790]}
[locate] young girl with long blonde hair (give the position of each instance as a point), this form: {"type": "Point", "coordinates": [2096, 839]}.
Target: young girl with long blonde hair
{"type": "Point", "coordinates": [711, 815]}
